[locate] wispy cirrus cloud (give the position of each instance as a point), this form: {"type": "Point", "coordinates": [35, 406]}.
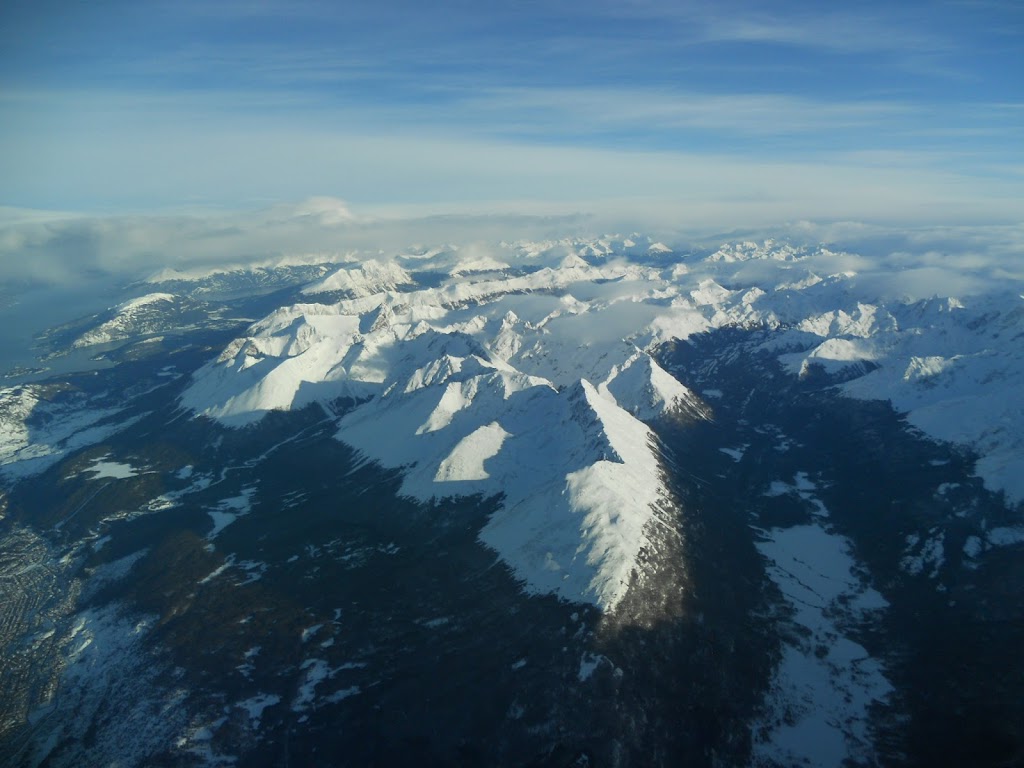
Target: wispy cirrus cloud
{"type": "Point", "coordinates": [136, 161]}
{"type": "Point", "coordinates": [872, 26]}
{"type": "Point", "coordinates": [835, 30]}
{"type": "Point", "coordinates": [172, 103]}
{"type": "Point", "coordinates": [655, 119]}
{"type": "Point", "coordinates": [739, 113]}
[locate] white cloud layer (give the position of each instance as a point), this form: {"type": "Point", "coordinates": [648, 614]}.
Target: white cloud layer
{"type": "Point", "coordinates": [891, 259]}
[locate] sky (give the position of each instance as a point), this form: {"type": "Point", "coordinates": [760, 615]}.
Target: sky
{"type": "Point", "coordinates": [699, 111]}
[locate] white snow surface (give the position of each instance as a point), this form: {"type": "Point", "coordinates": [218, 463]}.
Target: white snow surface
{"type": "Point", "coordinates": [101, 468]}
{"type": "Point", "coordinates": [365, 279]}
{"type": "Point", "coordinates": [128, 315]}
{"type": "Point", "coordinates": [229, 510]}
{"type": "Point", "coordinates": [37, 432]}
{"type": "Point", "coordinates": [1006, 536]}
{"type": "Point", "coordinates": [819, 705]}
{"type": "Point", "coordinates": [109, 704]}
{"type": "Point", "coordinates": [534, 382]}
{"type": "Point", "coordinates": [256, 705]}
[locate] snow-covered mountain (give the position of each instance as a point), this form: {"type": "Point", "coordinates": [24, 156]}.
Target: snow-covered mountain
{"type": "Point", "coordinates": [497, 386]}
{"type": "Point", "coordinates": [147, 315]}
{"type": "Point", "coordinates": [637, 503]}
{"type": "Point", "coordinates": [535, 383]}
{"type": "Point", "coordinates": [365, 279]}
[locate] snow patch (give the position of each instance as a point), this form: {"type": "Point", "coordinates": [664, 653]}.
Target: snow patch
{"type": "Point", "coordinates": [110, 469]}
{"type": "Point", "coordinates": [735, 454]}
{"type": "Point", "coordinates": [229, 510]}
{"type": "Point", "coordinates": [256, 705]}
{"type": "Point", "coordinates": [1006, 537]}
{"type": "Point", "coordinates": [818, 710]}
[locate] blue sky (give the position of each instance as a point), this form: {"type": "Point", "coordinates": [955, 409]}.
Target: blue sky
{"type": "Point", "coordinates": [765, 110]}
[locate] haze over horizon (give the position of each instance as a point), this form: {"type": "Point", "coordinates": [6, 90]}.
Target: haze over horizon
{"type": "Point", "coordinates": [701, 112]}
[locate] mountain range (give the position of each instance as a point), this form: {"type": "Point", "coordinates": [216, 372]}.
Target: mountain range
{"type": "Point", "coordinates": [616, 502]}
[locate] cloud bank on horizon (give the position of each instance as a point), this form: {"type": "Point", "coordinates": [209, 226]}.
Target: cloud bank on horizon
{"type": "Point", "coordinates": [87, 251]}
{"type": "Point", "coordinates": [735, 113]}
